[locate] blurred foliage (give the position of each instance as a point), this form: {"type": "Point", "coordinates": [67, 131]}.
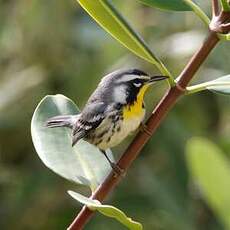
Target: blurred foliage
{"type": "Point", "coordinates": [50, 47]}
{"type": "Point", "coordinates": [177, 5]}
{"type": "Point", "coordinates": [213, 184]}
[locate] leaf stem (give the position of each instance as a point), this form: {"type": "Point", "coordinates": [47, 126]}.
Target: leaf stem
{"type": "Point", "coordinates": [215, 8]}
{"type": "Point", "coordinates": [198, 11]}
{"type": "Point", "coordinates": [224, 37]}
{"type": "Point", "coordinates": [204, 86]}
{"type": "Point", "coordinates": [162, 68]}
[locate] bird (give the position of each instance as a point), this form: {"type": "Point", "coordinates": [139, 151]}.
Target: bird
{"type": "Point", "coordinates": [113, 111]}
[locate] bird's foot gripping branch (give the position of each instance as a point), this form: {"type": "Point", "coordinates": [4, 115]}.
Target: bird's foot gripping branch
{"type": "Point", "coordinates": [84, 163]}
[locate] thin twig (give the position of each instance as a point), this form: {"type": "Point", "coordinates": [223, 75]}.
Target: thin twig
{"type": "Point", "coordinates": [220, 24]}
{"type": "Point", "coordinates": [215, 8]}
{"type": "Point", "coordinates": [225, 27]}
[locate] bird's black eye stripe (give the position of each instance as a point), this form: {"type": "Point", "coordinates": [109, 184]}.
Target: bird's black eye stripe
{"type": "Point", "coordinates": [137, 72]}
{"type": "Point", "coordinates": [139, 80]}
{"type": "Point", "coordinates": [136, 81]}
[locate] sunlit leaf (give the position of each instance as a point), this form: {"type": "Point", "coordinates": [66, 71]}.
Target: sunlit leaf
{"type": "Point", "coordinates": [176, 5]}
{"type": "Point", "coordinates": [83, 163]}
{"type": "Point", "coordinates": [211, 170]}
{"type": "Point", "coordinates": [110, 19]}
{"type": "Point", "coordinates": [220, 85]}
{"type": "Point", "coordinates": [107, 210]}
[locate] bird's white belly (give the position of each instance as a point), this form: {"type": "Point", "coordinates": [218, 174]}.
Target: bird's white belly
{"type": "Point", "coordinates": [126, 128]}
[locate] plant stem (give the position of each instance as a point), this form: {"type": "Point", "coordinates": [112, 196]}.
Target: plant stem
{"type": "Point", "coordinates": [161, 110]}
{"type": "Point", "coordinates": [166, 72]}
{"type": "Point", "coordinates": [198, 11]}
{"type": "Point", "coordinates": [215, 8]}
{"type": "Point", "coordinates": [204, 86]}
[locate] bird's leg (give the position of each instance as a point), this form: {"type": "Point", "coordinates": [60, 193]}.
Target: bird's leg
{"type": "Point", "coordinates": [116, 169]}
{"type": "Point", "coordinates": [143, 128]}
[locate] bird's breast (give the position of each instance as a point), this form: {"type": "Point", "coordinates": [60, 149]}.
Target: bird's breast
{"type": "Point", "coordinates": [115, 132]}
{"type": "Point", "coordinates": [134, 110]}
{"type": "Point", "coordinates": [115, 128]}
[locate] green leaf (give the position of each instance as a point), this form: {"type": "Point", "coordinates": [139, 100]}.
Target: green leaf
{"type": "Point", "coordinates": [219, 85]}
{"type": "Point", "coordinates": [176, 5]}
{"type": "Point", "coordinates": [107, 210]}
{"type": "Point", "coordinates": [111, 20]}
{"type": "Point", "coordinates": [225, 5]}
{"type": "Point", "coordinates": [83, 163]}
{"type": "Point", "coordinates": [179, 5]}
{"type": "Point", "coordinates": [211, 170]}
{"type": "Point", "coordinates": [198, 11]}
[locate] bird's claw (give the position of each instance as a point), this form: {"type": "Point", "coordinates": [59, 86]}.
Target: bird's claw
{"type": "Point", "coordinates": [143, 128]}
{"type": "Point", "coordinates": [117, 170]}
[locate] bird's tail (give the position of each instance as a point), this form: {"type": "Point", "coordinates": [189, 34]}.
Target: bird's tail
{"type": "Point", "coordinates": [62, 121]}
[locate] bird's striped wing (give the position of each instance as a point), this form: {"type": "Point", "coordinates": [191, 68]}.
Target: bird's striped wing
{"type": "Point", "coordinates": [91, 117]}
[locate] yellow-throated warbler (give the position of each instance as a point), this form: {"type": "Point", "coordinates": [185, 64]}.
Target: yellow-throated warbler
{"type": "Point", "coordinates": [115, 109]}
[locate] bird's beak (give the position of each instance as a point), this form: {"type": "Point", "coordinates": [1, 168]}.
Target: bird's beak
{"type": "Point", "coordinates": [157, 78]}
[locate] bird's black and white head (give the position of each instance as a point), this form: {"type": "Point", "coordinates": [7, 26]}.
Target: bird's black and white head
{"type": "Point", "coordinates": [124, 86]}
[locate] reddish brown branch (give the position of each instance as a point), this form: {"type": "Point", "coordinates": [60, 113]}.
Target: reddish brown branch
{"type": "Point", "coordinates": [220, 24]}
{"type": "Point", "coordinates": [225, 27]}
{"type": "Point", "coordinates": [161, 110]}
{"type": "Point", "coordinates": [215, 8]}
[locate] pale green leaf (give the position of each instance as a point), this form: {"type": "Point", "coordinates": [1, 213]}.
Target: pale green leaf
{"type": "Point", "coordinates": [211, 170]}
{"type": "Point", "coordinates": [107, 210]}
{"type": "Point", "coordinates": [83, 163]}
{"type": "Point", "coordinates": [111, 20]}
{"type": "Point", "coordinates": [219, 85]}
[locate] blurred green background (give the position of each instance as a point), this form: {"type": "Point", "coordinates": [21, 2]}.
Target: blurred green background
{"type": "Point", "coordinates": [50, 47]}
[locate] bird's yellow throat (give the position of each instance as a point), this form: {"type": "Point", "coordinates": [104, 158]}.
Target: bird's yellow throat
{"type": "Point", "coordinates": [135, 110]}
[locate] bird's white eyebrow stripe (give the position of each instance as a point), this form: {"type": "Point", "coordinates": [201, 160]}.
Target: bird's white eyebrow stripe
{"type": "Point", "coordinates": [129, 77]}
